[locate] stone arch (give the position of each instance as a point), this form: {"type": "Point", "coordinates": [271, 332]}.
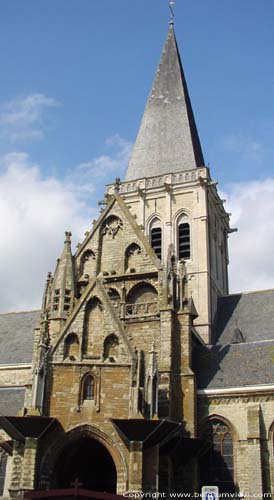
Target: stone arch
{"type": "Point", "coordinates": [204, 421]}
{"type": "Point", "coordinates": [93, 325]}
{"type": "Point", "coordinates": [58, 446]}
{"type": "Point", "coordinates": [71, 347]}
{"type": "Point", "coordinates": [218, 463]}
{"type": "Point", "coordinates": [142, 299]}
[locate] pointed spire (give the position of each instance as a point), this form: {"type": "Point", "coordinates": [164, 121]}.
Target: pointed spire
{"type": "Point", "coordinates": [168, 140]}
{"type": "Point", "coordinates": [63, 289]}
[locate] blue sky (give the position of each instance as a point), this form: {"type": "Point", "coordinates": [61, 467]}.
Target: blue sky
{"type": "Point", "coordinates": [75, 76]}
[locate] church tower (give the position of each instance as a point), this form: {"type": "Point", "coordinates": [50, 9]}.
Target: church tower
{"type": "Point", "coordinates": [113, 402]}
{"type": "Point", "coordinates": [171, 193]}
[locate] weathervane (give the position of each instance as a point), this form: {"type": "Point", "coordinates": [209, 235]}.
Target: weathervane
{"type": "Point", "coordinates": [172, 15]}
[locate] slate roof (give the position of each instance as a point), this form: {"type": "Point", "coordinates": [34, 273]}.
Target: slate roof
{"type": "Point", "coordinates": [11, 400]}
{"type": "Point", "coordinates": [16, 336]}
{"type": "Point", "coordinates": [167, 140]}
{"type": "Point", "coordinates": [235, 365]}
{"type": "Point", "coordinates": [252, 313]}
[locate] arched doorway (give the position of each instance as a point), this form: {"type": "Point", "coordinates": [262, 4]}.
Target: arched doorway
{"type": "Point", "coordinates": [87, 460]}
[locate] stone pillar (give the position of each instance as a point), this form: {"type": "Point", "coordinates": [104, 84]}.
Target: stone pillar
{"type": "Point", "coordinates": [135, 466]}
{"type": "Point", "coordinates": [151, 470]}
{"type": "Point", "coordinates": [187, 375]}
{"type": "Point", "coordinates": [28, 474]}
{"type": "Point", "coordinates": [16, 470]}
{"type": "Point", "coordinates": [254, 451]}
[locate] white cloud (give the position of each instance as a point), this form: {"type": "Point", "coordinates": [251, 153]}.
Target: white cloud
{"type": "Point", "coordinates": [35, 212]}
{"type": "Point", "coordinates": [105, 165]}
{"type": "Point", "coordinates": [251, 249]}
{"type": "Point", "coordinates": [22, 118]}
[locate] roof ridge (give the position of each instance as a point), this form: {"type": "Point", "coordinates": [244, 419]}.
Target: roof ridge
{"type": "Point", "coordinates": [19, 312]}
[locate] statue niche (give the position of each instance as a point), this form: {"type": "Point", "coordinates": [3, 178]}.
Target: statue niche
{"type": "Point", "coordinates": [111, 348]}
{"type": "Point", "coordinates": [88, 264]}
{"type": "Point", "coordinates": [133, 258]}
{"type": "Point", "coordinates": [71, 348]}
{"type": "Point", "coordinates": [93, 328]}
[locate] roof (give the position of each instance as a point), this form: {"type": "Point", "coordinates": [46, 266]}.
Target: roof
{"type": "Point", "coordinates": [16, 336]}
{"type": "Point", "coordinates": [167, 140]}
{"type": "Point", "coordinates": [250, 315]}
{"type": "Point", "coordinates": [11, 400]}
{"type": "Point", "coordinates": [235, 365]}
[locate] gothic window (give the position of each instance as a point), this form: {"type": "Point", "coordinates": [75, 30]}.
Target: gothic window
{"type": "Point", "coordinates": [71, 350]}
{"type": "Point", "coordinates": [111, 348]}
{"type": "Point", "coordinates": [184, 241]}
{"type": "Point", "coordinates": [88, 390]}
{"type": "Point", "coordinates": [217, 463]}
{"type": "Point", "coordinates": [156, 237]}
{"type": "Point", "coordinates": [3, 465]}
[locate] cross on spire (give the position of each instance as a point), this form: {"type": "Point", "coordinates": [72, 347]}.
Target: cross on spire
{"type": "Point", "coordinates": [172, 15]}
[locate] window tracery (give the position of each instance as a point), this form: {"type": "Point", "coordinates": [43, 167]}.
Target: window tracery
{"type": "Point", "coordinates": [217, 464]}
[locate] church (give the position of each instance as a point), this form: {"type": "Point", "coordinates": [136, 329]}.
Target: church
{"type": "Point", "coordinates": [141, 373]}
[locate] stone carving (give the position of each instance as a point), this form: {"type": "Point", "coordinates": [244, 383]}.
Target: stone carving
{"type": "Point", "coordinates": [112, 226]}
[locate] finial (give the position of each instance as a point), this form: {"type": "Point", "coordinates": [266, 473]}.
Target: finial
{"type": "Point", "coordinates": [117, 184]}
{"type": "Point", "coordinates": [172, 15]}
{"type": "Point", "coordinates": [68, 235]}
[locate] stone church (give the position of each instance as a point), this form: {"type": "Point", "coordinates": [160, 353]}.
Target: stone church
{"type": "Point", "coordinates": [145, 375]}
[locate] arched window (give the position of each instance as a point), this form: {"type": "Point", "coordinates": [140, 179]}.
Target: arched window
{"type": "Point", "coordinates": [88, 388]}
{"type": "Point", "coordinates": [217, 463]}
{"type": "Point", "coordinates": [156, 237]}
{"type": "Point", "coordinates": [3, 466]}
{"type": "Point", "coordinates": [184, 241]}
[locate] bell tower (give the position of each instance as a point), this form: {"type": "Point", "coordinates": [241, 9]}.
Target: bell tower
{"type": "Point", "coordinates": [170, 191]}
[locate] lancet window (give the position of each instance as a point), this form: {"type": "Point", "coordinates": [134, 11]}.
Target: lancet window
{"type": "Point", "coordinates": [88, 390]}
{"type": "Point", "coordinates": [156, 237]}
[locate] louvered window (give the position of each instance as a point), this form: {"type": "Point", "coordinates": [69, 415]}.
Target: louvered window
{"type": "Point", "coordinates": [156, 241]}
{"type": "Point", "coordinates": [184, 241]}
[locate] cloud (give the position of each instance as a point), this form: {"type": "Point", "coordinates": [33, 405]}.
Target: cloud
{"type": "Point", "coordinates": [251, 249]}
{"type": "Point", "coordinates": [22, 118]}
{"type": "Point", "coordinates": [113, 163]}
{"type": "Point", "coordinates": [35, 212]}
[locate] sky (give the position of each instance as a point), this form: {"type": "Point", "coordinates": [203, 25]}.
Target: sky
{"type": "Point", "coordinates": [75, 76]}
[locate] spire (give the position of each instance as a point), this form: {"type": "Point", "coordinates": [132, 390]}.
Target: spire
{"type": "Point", "coordinates": [63, 282]}
{"type": "Point", "coordinates": [168, 140]}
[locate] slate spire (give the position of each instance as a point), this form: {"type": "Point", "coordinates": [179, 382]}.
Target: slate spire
{"type": "Point", "coordinates": [168, 140]}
